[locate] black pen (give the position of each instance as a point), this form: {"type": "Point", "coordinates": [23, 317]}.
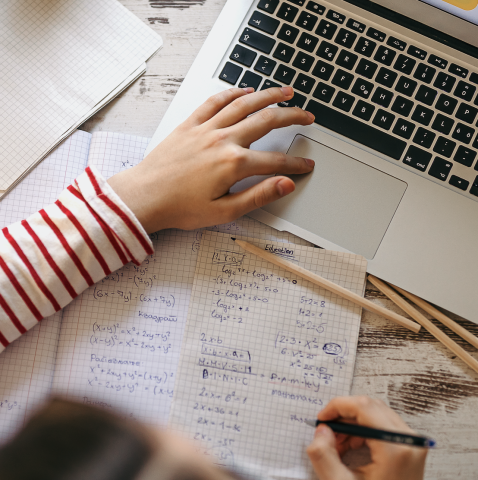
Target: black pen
{"type": "Point", "coordinates": [367, 432]}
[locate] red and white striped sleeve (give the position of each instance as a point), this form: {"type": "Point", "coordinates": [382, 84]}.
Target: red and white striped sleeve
{"type": "Point", "coordinates": [52, 256]}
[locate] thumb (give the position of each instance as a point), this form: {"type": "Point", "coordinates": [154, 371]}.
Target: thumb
{"type": "Point", "coordinates": [325, 458]}
{"type": "Point", "coordinates": [257, 196]}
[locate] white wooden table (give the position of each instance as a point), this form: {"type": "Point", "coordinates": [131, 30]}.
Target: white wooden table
{"type": "Point", "coordinates": [431, 388]}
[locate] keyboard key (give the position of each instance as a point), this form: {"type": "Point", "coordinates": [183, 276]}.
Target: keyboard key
{"type": "Point", "coordinates": [458, 182]}
{"type": "Point", "coordinates": [363, 110]}
{"type": "Point", "coordinates": [396, 43]}
{"type": "Point", "coordinates": [264, 65]}
{"type": "Point", "coordinates": [403, 128]}
{"type": "Point", "coordinates": [344, 101]}
{"type": "Point", "coordinates": [269, 84]}
{"type": "Point", "coordinates": [284, 74]}
{"type": "Point", "coordinates": [323, 70]}
{"type": "Point", "coordinates": [463, 133]}
{"type": "Point", "coordinates": [356, 130]}
{"type": "Point", "coordinates": [440, 168]}
{"type": "Point", "coordinates": [474, 77]}
{"type": "Point", "coordinates": [465, 156]}
{"type": "Point", "coordinates": [424, 73]}
{"type": "Point", "coordinates": [422, 115]}
{"type": "Point", "coordinates": [437, 61]}
{"type": "Point", "coordinates": [250, 79]}
{"type": "Point", "coordinates": [303, 61]}
{"type": "Point", "coordinates": [264, 22]}
{"type": "Point", "coordinates": [385, 55]}
{"type": "Point", "coordinates": [404, 64]}
{"type": "Point", "coordinates": [382, 97]}
{"type": "Point", "coordinates": [315, 7]}
{"type": "Point", "coordinates": [362, 88]}
{"type": "Point", "coordinates": [426, 95]}
{"type": "Point", "coordinates": [297, 100]}
{"type": "Point", "coordinates": [383, 119]}
{"type": "Point", "coordinates": [424, 137]}
{"type": "Point", "coordinates": [475, 143]}
{"type": "Point", "coordinates": [444, 82]}
{"type": "Point", "coordinates": [376, 34]}
{"type": "Point", "coordinates": [464, 91]}
{"type": "Point", "coordinates": [307, 42]}
{"type": "Point", "coordinates": [230, 73]}
{"type": "Point", "coordinates": [402, 106]}
{"type": "Point", "coordinates": [406, 86]}
{"type": "Point", "coordinates": [300, 3]}
{"type": "Point", "coordinates": [287, 12]}
{"type": "Point", "coordinates": [345, 38]}
{"type": "Point", "coordinates": [354, 25]}
{"type": "Point", "coordinates": [446, 104]}
{"type": "Point", "coordinates": [386, 77]}
{"type": "Point", "coordinates": [257, 40]}
{"type": "Point", "coordinates": [304, 83]}
{"type": "Point", "coordinates": [326, 29]}
{"type": "Point", "coordinates": [327, 50]}
{"type": "Point", "coordinates": [283, 52]}
{"type": "Point", "coordinates": [365, 47]}
{"type": "Point", "coordinates": [307, 21]}
{"type": "Point", "coordinates": [417, 52]}
{"type": "Point", "coordinates": [466, 113]}
{"type": "Point", "coordinates": [268, 6]}
{"type": "Point", "coordinates": [417, 158]}
{"type": "Point", "coordinates": [335, 16]}
{"type": "Point", "coordinates": [366, 68]}
{"type": "Point", "coordinates": [288, 33]}
{"type": "Point", "coordinates": [474, 188]}
{"type": "Point", "coordinates": [444, 147]}
{"type": "Point", "coordinates": [324, 92]}
{"type": "Point", "coordinates": [342, 79]}
{"type": "Point", "coordinates": [346, 59]}
{"type": "Point", "coordinates": [243, 55]}
{"type": "Point", "coordinates": [458, 71]}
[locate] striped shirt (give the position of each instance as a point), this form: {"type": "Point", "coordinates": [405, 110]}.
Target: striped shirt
{"type": "Point", "coordinates": [51, 257]}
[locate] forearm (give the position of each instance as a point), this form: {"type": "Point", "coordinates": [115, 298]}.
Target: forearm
{"type": "Point", "coordinates": [52, 256]}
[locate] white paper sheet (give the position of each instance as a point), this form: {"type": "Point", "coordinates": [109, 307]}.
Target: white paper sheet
{"type": "Point", "coordinates": [60, 60]}
{"type": "Point", "coordinates": [263, 350]}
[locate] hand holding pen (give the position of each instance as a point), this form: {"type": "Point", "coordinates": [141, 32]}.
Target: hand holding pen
{"type": "Point", "coordinates": [390, 461]}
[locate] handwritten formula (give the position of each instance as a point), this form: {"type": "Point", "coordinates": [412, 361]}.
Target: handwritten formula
{"type": "Point", "coordinates": [263, 350]}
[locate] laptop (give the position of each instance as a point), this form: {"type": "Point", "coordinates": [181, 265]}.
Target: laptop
{"type": "Point", "coordinates": [394, 90]}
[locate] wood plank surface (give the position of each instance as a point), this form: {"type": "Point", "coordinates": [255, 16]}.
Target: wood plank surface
{"type": "Point", "coordinates": [434, 391]}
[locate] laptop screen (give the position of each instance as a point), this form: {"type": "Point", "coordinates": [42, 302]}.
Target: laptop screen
{"type": "Point", "coordinates": [466, 9]}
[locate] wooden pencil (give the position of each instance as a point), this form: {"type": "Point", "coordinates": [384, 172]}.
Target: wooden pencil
{"type": "Point", "coordinates": [330, 286]}
{"type": "Point", "coordinates": [440, 316]}
{"type": "Point", "coordinates": [422, 320]}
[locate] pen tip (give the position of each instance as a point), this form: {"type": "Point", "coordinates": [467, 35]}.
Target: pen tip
{"type": "Point", "coordinates": [312, 423]}
{"type": "Point", "coordinates": [232, 238]}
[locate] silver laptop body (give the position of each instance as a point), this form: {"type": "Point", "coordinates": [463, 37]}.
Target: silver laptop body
{"type": "Point", "coordinates": [395, 146]}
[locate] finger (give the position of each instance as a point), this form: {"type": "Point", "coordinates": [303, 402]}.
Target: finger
{"type": "Point", "coordinates": [261, 123]}
{"type": "Point", "coordinates": [237, 204]}
{"type": "Point", "coordinates": [215, 104]}
{"type": "Point", "coordinates": [244, 106]}
{"type": "Point", "coordinates": [269, 163]}
{"type": "Point", "coordinates": [324, 456]}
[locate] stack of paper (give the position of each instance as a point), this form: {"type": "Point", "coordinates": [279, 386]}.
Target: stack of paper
{"type": "Point", "coordinates": [62, 60]}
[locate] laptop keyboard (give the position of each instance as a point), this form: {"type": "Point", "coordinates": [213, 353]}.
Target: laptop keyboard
{"type": "Point", "coordinates": [376, 89]}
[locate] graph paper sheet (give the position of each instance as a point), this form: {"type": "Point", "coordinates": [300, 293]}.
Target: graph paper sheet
{"type": "Point", "coordinates": [26, 366]}
{"type": "Point", "coordinates": [262, 351]}
{"type": "Point", "coordinates": [61, 59]}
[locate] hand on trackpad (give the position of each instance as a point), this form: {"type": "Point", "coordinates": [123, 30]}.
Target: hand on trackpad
{"type": "Point", "coordinates": [343, 200]}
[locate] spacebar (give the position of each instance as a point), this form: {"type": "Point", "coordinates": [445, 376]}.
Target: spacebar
{"type": "Point", "coordinates": [355, 130]}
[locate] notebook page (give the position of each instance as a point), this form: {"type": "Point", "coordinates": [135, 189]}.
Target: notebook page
{"type": "Point", "coordinates": [26, 366]}
{"type": "Point", "coordinates": [70, 56]}
{"type": "Point", "coordinates": [263, 350]}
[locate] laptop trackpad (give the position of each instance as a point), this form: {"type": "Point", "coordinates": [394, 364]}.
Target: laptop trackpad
{"type": "Point", "coordinates": [342, 200]}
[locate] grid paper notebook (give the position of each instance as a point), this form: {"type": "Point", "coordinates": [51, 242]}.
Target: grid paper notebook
{"type": "Point", "coordinates": [31, 364]}
{"type": "Point", "coordinates": [62, 60]}
{"type": "Point", "coordinates": [263, 350]}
